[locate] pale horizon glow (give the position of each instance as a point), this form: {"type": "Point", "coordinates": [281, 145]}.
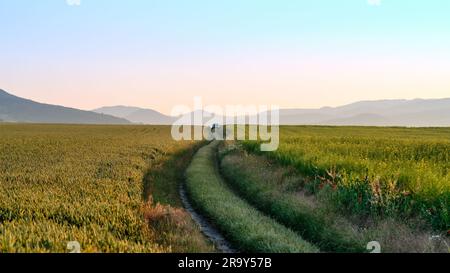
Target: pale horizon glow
{"type": "Point", "coordinates": [158, 54]}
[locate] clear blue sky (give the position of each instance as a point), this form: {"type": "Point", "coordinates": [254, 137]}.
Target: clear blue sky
{"type": "Point", "coordinates": [156, 53]}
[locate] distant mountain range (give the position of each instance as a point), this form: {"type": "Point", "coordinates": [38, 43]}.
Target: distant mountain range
{"type": "Point", "coordinates": [16, 109]}
{"type": "Point", "coordinates": [136, 115]}
{"type": "Point", "coordinates": [412, 113]}
{"type": "Point", "coordinates": [149, 116]}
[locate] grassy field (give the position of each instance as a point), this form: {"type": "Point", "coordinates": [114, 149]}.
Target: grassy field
{"type": "Point", "coordinates": [244, 226]}
{"type": "Point", "coordinates": [278, 192]}
{"type": "Point", "coordinates": [373, 171]}
{"type": "Point", "coordinates": [116, 189]}
{"type": "Point", "coordinates": [270, 190]}
{"type": "Point", "coordinates": [94, 185]}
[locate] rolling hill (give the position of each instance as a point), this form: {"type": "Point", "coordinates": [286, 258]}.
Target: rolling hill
{"type": "Point", "coordinates": [136, 115]}
{"type": "Point", "coordinates": [411, 113]}
{"type": "Point", "coordinates": [16, 109]}
{"type": "Point", "coordinates": [414, 113]}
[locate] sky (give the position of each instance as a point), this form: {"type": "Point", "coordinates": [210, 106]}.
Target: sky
{"type": "Point", "coordinates": [161, 53]}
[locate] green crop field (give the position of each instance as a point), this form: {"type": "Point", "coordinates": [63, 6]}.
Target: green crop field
{"type": "Point", "coordinates": [117, 189]}
{"type": "Point", "coordinates": [374, 171]}
{"type": "Point", "coordinates": [62, 183]}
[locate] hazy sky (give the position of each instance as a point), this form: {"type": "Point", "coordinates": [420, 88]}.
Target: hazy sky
{"type": "Point", "coordinates": [160, 53]}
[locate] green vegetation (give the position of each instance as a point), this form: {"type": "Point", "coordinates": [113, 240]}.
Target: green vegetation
{"type": "Point", "coordinates": [61, 183]}
{"type": "Point", "coordinates": [279, 192]}
{"type": "Point", "coordinates": [172, 224]}
{"type": "Point", "coordinates": [265, 188]}
{"type": "Point", "coordinates": [116, 189]}
{"type": "Point", "coordinates": [241, 224]}
{"type": "Point", "coordinates": [373, 171]}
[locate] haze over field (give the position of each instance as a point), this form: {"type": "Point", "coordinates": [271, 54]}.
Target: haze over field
{"type": "Point", "coordinates": [415, 113]}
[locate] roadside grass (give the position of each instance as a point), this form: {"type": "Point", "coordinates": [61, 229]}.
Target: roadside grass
{"type": "Point", "coordinates": [244, 226]}
{"type": "Point", "coordinates": [259, 184]}
{"type": "Point", "coordinates": [164, 211]}
{"type": "Point", "coordinates": [279, 192]}
{"type": "Point", "coordinates": [375, 171]}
